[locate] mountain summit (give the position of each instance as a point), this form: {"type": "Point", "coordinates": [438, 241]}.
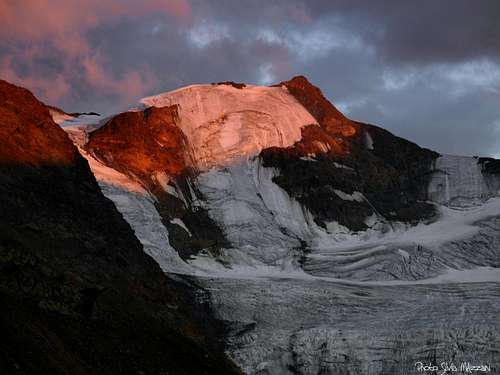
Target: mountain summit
{"type": "Point", "coordinates": [291, 127]}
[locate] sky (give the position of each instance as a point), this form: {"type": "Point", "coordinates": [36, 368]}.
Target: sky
{"type": "Point", "coordinates": [426, 70]}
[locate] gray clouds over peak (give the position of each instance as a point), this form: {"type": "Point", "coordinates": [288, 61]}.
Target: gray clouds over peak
{"type": "Point", "coordinates": [426, 70]}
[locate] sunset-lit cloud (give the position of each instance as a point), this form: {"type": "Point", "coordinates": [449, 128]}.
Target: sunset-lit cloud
{"type": "Point", "coordinates": [29, 27]}
{"type": "Point", "coordinates": [428, 71]}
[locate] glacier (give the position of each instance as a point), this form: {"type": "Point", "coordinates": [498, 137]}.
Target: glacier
{"type": "Point", "coordinates": [372, 303]}
{"type": "Point", "coordinates": [225, 124]}
{"type": "Point", "coordinates": [302, 298]}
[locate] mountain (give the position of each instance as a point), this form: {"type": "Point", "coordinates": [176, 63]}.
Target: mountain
{"type": "Point", "coordinates": [324, 244]}
{"type": "Point", "coordinates": [320, 157]}
{"type": "Point", "coordinates": [78, 294]}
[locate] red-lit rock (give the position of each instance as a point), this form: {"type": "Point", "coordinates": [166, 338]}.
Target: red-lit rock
{"type": "Point", "coordinates": [311, 97]}
{"type": "Point", "coordinates": [141, 143]}
{"type": "Point", "coordinates": [27, 133]}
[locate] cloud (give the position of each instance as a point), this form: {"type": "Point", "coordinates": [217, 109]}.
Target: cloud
{"type": "Point", "coordinates": [130, 85]}
{"type": "Point", "coordinates": [52, 90]}
{"type": "Point", "coordinates": [35, 27]}
{"type": "Point", "coordinates": [204, 34]}
{"type": "Point", "coordinates": [428, 71]}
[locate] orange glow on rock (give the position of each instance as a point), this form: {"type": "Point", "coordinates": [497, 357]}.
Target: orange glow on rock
{"type": "Point", "coordinates": [329, 117]}
{"type": "Point", "coordinates": [28, 134]}
{"type": "Point", "coordinates": [141, 143]}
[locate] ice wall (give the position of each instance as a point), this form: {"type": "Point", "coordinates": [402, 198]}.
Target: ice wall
{"type": "Point", "coordinates": [458, 181]}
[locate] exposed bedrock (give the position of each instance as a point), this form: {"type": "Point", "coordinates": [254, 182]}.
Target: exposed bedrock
{"type": "Point", "coordinates": [342, 155]}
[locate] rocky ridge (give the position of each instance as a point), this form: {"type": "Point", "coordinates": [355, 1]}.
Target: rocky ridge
{"type": "Point", "coordinates": [79, 294]}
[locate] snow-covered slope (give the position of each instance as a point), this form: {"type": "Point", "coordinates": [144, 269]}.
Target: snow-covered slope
{"type": "Point", "coordinates": [66, 119]}
{"type": "Point", "coordinates": [266, 227]}
{"type": "Point", "coordinates": [137, 207]}
{"type": "Point", "coordinates": [224, 123]}
{"type": "Point", "coordinates": [60, 116]}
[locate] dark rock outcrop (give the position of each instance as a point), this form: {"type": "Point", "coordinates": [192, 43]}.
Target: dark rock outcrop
{"type": "Point", "coordinates": [78, 294]}
{"type": "Point", "coordinates": [236, 85]}
{"type": "Point", "coordinates": [347, 156]}
{"type": "Point", "coordinates": [489, 165]}
{"type": "Point", "coordinates": [311, 97]}
{"type": "Point", "coordinates": [72, 114]}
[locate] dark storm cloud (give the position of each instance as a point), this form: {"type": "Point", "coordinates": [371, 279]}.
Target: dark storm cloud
{"type": "Point", "coordinates": [426, 70]}
{"type": "Point", "coordinates": [423, 31]}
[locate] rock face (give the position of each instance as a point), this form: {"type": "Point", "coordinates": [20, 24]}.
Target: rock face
{"type": "Point", "coordinates": [27, 130]}
{"type": "Point", "coordinates": [388, 174]}
{"type": "Point", "coordinates": [142, 143]}
{"type": "Point", "coordinates": [79, 295]}
{"type": "Point", "coordinates": [311, 98]}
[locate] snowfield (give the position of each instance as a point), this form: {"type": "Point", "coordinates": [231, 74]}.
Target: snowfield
{"type": "Point", "coordinates": [225, 124]}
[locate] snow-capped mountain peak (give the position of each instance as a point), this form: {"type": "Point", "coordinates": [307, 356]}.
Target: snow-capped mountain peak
{"type": "Point", "coordinates": [224, 123]}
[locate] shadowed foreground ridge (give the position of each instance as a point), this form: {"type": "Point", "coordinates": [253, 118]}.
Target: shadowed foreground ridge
{"type": "Point", "coordinates": [78, 294]}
